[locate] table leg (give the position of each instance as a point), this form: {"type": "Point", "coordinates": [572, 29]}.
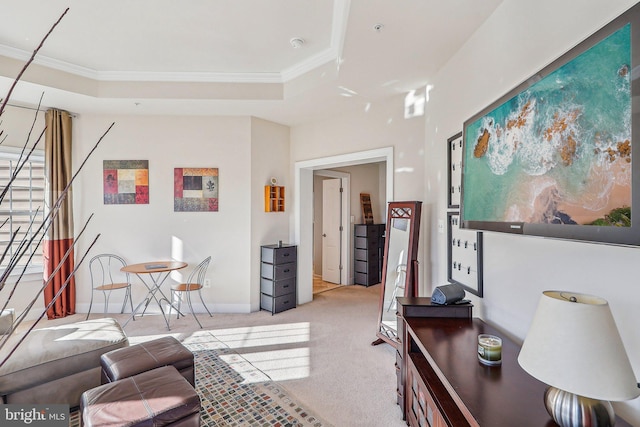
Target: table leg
{"type": "Point", "coordinates": [153, 288]}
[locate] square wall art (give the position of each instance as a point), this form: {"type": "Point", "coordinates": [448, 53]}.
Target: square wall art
{"type": "Point", "coordinates": [126, 182]}
{"type": "Point", "coordinates": [195, 190]}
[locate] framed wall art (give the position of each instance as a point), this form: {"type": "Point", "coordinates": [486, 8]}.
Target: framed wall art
{"type": "Point", "coordinates": [465, 256]}
{"type": "Point", "coordinates": [195, 190]}
{"type": "Point", "coordinates": [125, 182]}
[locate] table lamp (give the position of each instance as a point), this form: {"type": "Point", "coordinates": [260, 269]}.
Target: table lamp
{"type": "Point", "coordinates": [574, 346]}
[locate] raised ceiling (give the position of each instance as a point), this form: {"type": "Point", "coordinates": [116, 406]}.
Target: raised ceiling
{"type": "Point", "coordinates": [230, 57]}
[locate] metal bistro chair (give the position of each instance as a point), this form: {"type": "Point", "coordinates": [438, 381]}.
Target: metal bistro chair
{"type": "Point", "coordinates": [106, 277]}
{"type": "Point", "coordinates": [195, 282]}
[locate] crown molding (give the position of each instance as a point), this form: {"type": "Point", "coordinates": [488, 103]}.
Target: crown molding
{"type": "Point", "coordinates": [188, 76]}
{"type": "Point", "coordinates": [338, 31]}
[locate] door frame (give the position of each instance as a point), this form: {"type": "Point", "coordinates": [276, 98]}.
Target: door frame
{"type": "Point", "coordinates": [303, 206]}
{"type": "Point", "coordinates": [346, 275]}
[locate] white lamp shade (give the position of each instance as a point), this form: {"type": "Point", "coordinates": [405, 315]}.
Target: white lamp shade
{"type": "Point", "coordinates": [574, 345]}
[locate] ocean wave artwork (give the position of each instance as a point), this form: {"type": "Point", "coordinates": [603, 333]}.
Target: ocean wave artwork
{"type": "Point", "coordinates": [558, 152]}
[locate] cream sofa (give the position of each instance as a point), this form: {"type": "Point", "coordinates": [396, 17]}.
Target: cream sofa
{"type": "Point", "coordinates": [55, 365]}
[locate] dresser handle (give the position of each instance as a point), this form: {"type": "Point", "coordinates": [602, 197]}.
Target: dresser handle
{"type": "Point", "coordinates": [285, 254]}
{"type": "Point", "coordinates": [286, 271]}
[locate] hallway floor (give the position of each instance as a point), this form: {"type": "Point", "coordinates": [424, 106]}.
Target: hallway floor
{"type": "Point", "coordinates": [321, 286]}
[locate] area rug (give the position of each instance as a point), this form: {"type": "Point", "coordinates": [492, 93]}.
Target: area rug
{"type": "Point", "coordinates": [236, 394]}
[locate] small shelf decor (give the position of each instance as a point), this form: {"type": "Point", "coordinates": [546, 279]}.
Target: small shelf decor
{"type": "Point", "coordinates": [274, 198]}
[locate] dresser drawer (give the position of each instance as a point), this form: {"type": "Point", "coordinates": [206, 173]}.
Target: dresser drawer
{"type": "Point", "coordinates": [276, 288]}
{"type": "Point", "coordinates": [367, 255]}
{"type": "Point", "coordinates": [367, 267]}
{"type": "Point", "coordinates": [364, 243]}
{"type": "Point", "coordinates": [366, 279]}
{"type": "Point", "coordinates": [278, 255]}
{"type": "Point", "coordinates": [277, 304]}
{"type": "Point", "coordinates": [370, 231]}
{"type": "Point", "coordinates": [278, 272]}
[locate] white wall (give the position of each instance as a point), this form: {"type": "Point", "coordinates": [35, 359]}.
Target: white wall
{"type": "Point", "coordinates": [366, 179]}
{"type": "Point", "coordinates": [154, 231]}
{"type": "Point", "coordinates": [269, 158]}
{"type": "Point", "coordinates": [247, 152]}
{"type": "Point", "coordinates": [519, 39]}
{"type": "Point", "coordinates": [380, 126]}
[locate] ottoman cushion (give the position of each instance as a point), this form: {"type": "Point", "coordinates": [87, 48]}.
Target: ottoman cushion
{"type": "Point", "coordinates": [137, 358]}
{"type": "Point", "coordinates": [49, 355]}
{"type": "Point", "coordinates": [160, 397]}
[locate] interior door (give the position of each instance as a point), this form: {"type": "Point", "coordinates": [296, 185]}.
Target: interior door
{"type": "Point", "coordinates": [331, 229]}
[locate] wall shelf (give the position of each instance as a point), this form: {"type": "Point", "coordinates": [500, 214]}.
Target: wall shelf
{"type": "Point", "coordinates": [273, 198]}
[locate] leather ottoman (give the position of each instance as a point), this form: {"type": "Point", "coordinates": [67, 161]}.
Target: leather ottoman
{"type": "Point", "coordinates": [160, 397]}
{"type": "Point", "coordinates": [137, 358]}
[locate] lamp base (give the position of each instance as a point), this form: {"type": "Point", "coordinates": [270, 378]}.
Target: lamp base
{"type": "Point", "coordinates": [571, 410]}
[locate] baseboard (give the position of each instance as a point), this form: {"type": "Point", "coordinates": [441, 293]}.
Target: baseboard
{"type": "Point", "coordinates": [153, 308]}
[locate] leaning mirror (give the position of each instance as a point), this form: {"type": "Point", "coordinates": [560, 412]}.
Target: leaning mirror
{"type": "Point", "coordinates": [399, 268]}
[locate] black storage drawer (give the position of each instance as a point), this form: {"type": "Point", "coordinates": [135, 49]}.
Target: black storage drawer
{"type": "Point", "coordinates": [367, 255]}
{"type": "Point", "coordinates": [278, 272]}
{"type": "Point", "coordinates": [372, 231]}
{"type": "Point", "coordinates": [364, 243]}
{"type": "Point", "coordinates": [366, 279]}
{"type": "Point", "coordinates": [278, 255]}
{"type": "Point", "coordinates": [277, 304]}
{"type": "Point", "coordinates": [367, 267]}
{"type": "Point", "coordinates": [277, 288]}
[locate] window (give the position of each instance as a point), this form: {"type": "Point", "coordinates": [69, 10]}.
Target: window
{"type": "Point", "coordinates": [22, 204]}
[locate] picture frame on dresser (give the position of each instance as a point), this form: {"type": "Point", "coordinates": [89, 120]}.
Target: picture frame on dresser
{"type": "Point", "coordinates": [454, 176]}
{"type": "Point", "coordinates": [464, 255]}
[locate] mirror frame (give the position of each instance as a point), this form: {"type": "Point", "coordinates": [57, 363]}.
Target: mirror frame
{"type": "Point", "coordinates": [405, 210]}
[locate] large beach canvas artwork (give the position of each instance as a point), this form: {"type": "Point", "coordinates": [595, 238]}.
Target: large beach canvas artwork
{"type": "Point", "coordinates": [557, 155]}
{"type": "Point", "coordinates": [558, 152]}
{"type": "Point", "coordinates": [195, 190]}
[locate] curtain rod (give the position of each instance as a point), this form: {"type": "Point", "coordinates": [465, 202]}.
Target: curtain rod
{"type": "Point", "coordinates": [43, 109]}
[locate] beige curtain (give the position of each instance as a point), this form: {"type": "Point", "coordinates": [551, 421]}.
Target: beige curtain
{"type": "Point", "coordinates": [59, 240]}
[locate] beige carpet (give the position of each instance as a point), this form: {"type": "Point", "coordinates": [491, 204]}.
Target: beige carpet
{"type": "Point", "coordinates": [320, 353]}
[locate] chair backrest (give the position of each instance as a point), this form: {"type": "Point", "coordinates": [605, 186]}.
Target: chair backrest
{"type": "Point", "coordinates": [198, 274]}
{"type": "Point", "coordinates": [105, 269]}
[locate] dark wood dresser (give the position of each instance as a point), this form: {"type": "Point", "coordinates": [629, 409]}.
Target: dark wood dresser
{"type": "Point", "coordinates": [443, 382]}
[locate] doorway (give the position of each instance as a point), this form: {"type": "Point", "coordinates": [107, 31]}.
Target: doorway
{"type": "Point", "coordinates": [303, 211]}
{"type": "Point", "coordinates": [331, 208]}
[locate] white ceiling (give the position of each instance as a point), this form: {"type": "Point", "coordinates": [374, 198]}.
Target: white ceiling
{"type": "Point", "coordinates": [230, 57]}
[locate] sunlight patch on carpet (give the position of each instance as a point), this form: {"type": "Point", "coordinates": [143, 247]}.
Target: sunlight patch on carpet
{"type": "Point", "coordinates": [264, 335]}
{"type": "Point", "coordinates": [280, 365]}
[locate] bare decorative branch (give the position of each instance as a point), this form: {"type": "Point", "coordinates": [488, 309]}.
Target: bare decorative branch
{"type": "Point", "coordinates": [37, 230]}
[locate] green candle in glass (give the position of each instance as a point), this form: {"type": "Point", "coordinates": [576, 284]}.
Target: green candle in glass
{"type": "Point", "coordinates": [489, 349]}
